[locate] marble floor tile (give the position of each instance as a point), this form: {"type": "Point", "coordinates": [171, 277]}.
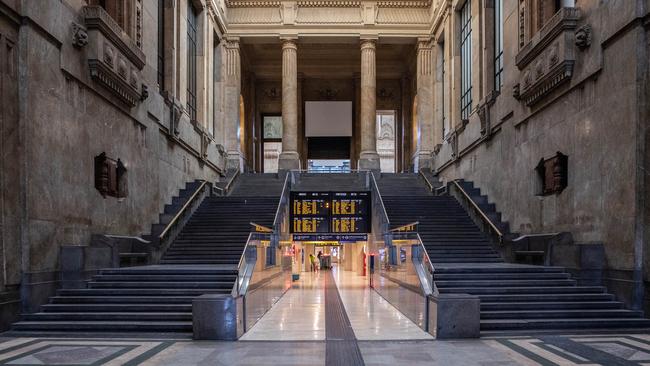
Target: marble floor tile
{"type": "Point", "coordinates": [371, 316]}
{"type": "Point", "coordinates": [298, 316]}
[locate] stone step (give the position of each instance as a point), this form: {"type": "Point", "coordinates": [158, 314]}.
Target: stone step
{"type": "Point", "coordinates": [109, 316]}
{"type": "Point", "coordinates": [523, 290]}
{"type": "Point", "coordinates": [105, 326]}
{"type": "Point", "coordinates": [110, 299]}
{"type": "Point", "coordinates": [561, 314]}
{"type": "Point", "coordinates": [595, 323]}
{"type": "Point", "coordinates": [121, 307]}
{"type": "Point", "coordinates": [537, 305]}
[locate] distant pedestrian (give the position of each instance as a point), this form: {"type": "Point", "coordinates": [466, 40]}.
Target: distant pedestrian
{"type": "Point", "coordinates": [312, 260]}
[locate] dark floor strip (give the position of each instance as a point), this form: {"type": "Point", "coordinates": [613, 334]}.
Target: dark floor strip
{"type": "Point", "coordinates": [341, 347]}
{"type": "Point", "coordinates": [585, 351]}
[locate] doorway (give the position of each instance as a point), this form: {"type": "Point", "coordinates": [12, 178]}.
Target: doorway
{"type": "Point", "coordinates": [386, 141]}
{"type": "Point", "coordinates": [271, 142]}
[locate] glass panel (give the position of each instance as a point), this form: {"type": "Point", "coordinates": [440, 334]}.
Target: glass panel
{"type": "Point", "coordinates": [191, 60]}
{"type": "Point", "coordinates": [466, 60]}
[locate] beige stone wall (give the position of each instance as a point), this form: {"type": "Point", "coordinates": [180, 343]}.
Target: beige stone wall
{"type": "Point", "coordinates": [593, 118]}
{"type": "Point", "coordinates": [65, 117]}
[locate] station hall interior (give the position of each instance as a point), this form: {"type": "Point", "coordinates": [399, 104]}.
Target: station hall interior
{"type": "Point", "coordinates": [331, 182]}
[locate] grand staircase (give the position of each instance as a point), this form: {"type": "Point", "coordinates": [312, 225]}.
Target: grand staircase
{"type": "Point", "coordinates": [157, 299]}
{"type": "Point", "coordinates": [514, 297]}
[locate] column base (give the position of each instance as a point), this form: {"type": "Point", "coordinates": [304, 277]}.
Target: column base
{"type": "Point", "coordinates": [289, 160]}
{"type": "Point", "coordinates": [235, 161]}
{"type": "Point", "coordinates": [369, 160]}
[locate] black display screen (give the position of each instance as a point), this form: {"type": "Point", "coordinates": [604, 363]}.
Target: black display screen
{"type": "Point", "coordinates": [330, 212]}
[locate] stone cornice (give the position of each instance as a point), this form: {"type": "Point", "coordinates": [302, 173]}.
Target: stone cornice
{"type": "Point", "coordinates": [328, 3]}
{"type": "Point", "coordinates": [96, 17]}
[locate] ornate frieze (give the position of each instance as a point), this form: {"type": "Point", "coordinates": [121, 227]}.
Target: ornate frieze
{"type": "Point", "coordinates": [254, 15]}
{"type": "Point", "coordinates": [398, 15]}
{"type": "Point", "coordinates": [114, 60]}
{"type": "Point", "coordinates": [547, 61]}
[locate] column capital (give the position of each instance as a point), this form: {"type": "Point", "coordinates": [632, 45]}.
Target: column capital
{"type": "Point", "coordinates": [425, 43]}
{"type": "Point", "coordinates": [232, 41]}
{"type": "Point", "coordinates": [292, 38]}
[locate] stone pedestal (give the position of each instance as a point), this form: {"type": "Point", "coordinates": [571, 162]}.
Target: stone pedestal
{"type": "Point", "coordinates": [368, 157]}
{"type": "Point", "coordinates": [218, 317]}
{"type": "Point", "coordinates": [455, 316]}
{"type": "Point", "coordinates": [289, 158]}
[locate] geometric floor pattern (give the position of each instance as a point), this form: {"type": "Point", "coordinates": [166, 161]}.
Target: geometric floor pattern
{"type": "Point", "coordinates": [567, 350]}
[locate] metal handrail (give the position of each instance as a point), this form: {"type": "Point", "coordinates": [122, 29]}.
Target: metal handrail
{"type": "Point", "coordinates": [182, 210]}
{"type": "Point", "coordinates": [261, 228]}
{"type": "Point", "coordinates": [426, 180]}
{"type": "Point", "coordinates": [406, 226]}
{"type": "Point", "coordinates": [480, 211]}
{"type": "Point", "coordinates": [381, 200]}
{"type": "Point", "coordinates": [282, 196]}
{"type": "Point", "coordinates": [227, 187]}
{"type": "Point", "coordinates": [432, 269]}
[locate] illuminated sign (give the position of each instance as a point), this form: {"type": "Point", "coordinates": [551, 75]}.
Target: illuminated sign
{"type": "Point", "coordinates": [330, 212]}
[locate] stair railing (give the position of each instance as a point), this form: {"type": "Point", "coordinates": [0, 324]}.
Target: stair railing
{"type": "Point", "coordinates": [225, 189]}
{"type": "Point", "coordinates": [169, 232]}
{"type": "Point", "coordinates": [282, 212]}
{"type": "Point", "coordinates": [426, 180]}
{"type": "Point", "coordinates": [490, 224]}
{"type": "Point", "coordinates": [380, 221]}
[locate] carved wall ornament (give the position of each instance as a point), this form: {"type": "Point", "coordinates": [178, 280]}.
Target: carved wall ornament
{"type": "Point", "coordinates": [175, 113]}
{"type": "Point", "coordinates": [583, 36]}
{"type": "Point", "coordinates": [205, 143]}
{"type": "Point", "coordinates": [121, 68]}
{"type": "Point", "coordinates": [553, 57]}
{"type": "Point", "coordinates": [134, 78]}
{"type": "Point", "coordinates": [273, 93]}
{"type": "Point", "coordinates": [385, 94]}
{"type": "Point", "coordinates": [110, 177]}
{"type": "Point", "coordinates": [328, 93]}
{"type": "Point", "coordinates": [109, 55]}
{"type": "Point", "coordinates": [144, 93]}
{"type": "Point", "coordinates": [539, 69]}
{"type": "Point", "coordinates": [516, 93]}
{"type": "Point", "coordinates": [79, 35]}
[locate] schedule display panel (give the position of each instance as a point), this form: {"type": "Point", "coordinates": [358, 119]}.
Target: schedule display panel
{"type": "Point", "coordinates": [330, 212]}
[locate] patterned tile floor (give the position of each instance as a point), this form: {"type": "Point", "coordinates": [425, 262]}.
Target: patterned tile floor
{"type": "Point", "coordinates": [296, 323]}
{"type": "Point", "coordinates": [608, 350]}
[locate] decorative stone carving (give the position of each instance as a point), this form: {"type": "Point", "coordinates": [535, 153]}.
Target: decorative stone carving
{"type": "Point", "coordinates": [175, 113]}
{"type": "Point", "coordinates": [79, 35]}
{"type": "Point", "coordinates": [386, 94]}
{"type": "Point", "coordinates": [114, 60]}
{"type": "Point", "coordinates": [205, 143]}
{"type": "Point", "coordinates": [516, 93]}
{"type": "Point", "coordinates": [144, 93]}
{"type": "Point", "coordinates": [547, 60]}
{"type": "Point", "coordinates": [553, 174]}
{"type": "Point", "coordinates": [583, 36]}
{"type": "Point", "coordinates": [328, 93]}
{"type": "Point", "coordinates": [273, 93]}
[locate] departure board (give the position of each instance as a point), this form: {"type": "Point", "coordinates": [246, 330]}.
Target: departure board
{"type": "Point", "coordinates": [330, 212]}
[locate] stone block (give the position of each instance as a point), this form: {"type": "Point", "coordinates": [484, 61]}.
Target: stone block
{"type": "Point", "coordinates": [72, 266]}
{"type": "Point", "coordinates": [218, 317]}
{"type": "Point", "coordinates": [454, 316]}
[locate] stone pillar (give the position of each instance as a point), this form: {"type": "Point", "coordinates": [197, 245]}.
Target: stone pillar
{"type": "Point", "coordinates": [232, 92]}
{"type": "Point", "coordinates": [426, 130]}
{"type": "Point", "coordinates": [289, 158]}
{"type": "Point", "coordinates": [368, 158]}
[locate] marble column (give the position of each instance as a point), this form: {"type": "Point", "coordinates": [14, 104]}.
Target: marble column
{"type": "Point", "coordinates": [368, 158]}
{"type": "Point", "coordinates": [289, 158]}
{"type": "Point", "coordinates": [425, 112]}
{"type": "Point", "coordinates": [232, 92]}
